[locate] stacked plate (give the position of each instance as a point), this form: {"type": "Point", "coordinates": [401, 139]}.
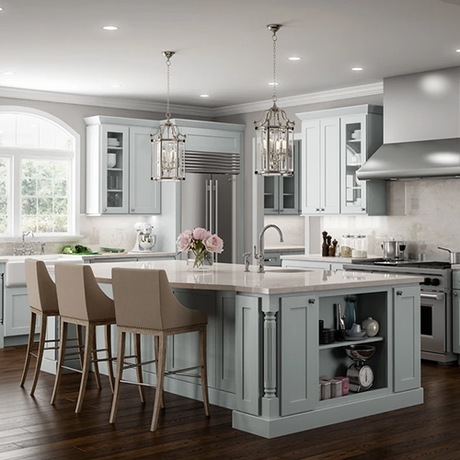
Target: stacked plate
{"type": "Point", "coordinates": [113, 142]}
{"type": "Point", "coordinates": [349, 335]}
{"type": "Point", "coordinates": [327, 336]}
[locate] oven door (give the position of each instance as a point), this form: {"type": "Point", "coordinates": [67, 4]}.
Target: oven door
{"type": "Point", "coordinates": [433, 322]}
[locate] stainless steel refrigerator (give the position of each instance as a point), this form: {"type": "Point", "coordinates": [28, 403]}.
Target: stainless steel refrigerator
{"type": "Point", "coordinates": [207, 198]}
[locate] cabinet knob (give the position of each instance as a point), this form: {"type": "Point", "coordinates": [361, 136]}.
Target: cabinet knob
{"type": "Point", "coordinates": [132, 209]}
{"type": "Point", "coordinates": [104, 210]}
{"type": "Point", "coordinates": [454, 294]}
{"type": "Point", "coordinates": [363, 209]}
{"type": "Point", "coordinates": [317, 209]}
{"type": "Point", "coordinates": [311, 300]}
{"type": "Point", "coordinates": [398, 292]}
{"type": "Point", "coordinates": [322, 209]}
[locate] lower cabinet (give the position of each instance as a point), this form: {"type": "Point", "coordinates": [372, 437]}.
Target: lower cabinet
{"type": "Point", "coordinates": [16, 311]}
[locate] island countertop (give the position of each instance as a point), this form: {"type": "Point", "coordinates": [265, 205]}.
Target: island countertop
{"type": "Point", "coordinates": [275, 280]}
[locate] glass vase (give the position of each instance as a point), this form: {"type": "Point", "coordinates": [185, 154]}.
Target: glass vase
{"type": "Point", "coordinates": [350, 312]}
{"type": "Point", "coordinates": [199, 260]}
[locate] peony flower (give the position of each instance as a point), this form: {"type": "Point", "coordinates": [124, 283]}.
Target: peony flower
{"type": "Point", "coordinates": [201, 234]}
{"type": "Point", "coordinates": [184, 240]}
{"type": "Point", "coordinates": [214, 244]}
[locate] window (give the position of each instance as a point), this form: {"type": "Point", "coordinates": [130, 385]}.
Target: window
{"type": "Point", "coordinates": [38, 174]}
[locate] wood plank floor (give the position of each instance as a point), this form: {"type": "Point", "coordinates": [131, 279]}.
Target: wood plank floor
{"type": "Point", "coordinates": [30, 428]}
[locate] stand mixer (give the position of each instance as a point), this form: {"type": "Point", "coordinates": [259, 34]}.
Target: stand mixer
{"type": "Point", "coordinates": [145, 239]}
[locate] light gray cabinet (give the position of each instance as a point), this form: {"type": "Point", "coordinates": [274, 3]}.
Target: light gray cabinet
{"type": "Point", "coordinates": [118, 167]}
{"type": "Point", "coordinates": [335, 144]}
{"type": "Point", "coordinates": [17, 312]}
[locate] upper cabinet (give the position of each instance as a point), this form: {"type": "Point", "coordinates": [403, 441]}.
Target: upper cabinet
{"type": "Point", "coordinates": [118, 167]}
{"type": "Point", "coordinates": [282, 194]}
{"type": "Point", "coordinates": [335, 143]}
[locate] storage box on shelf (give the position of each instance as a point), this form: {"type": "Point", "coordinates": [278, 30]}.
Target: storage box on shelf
{"type": "Point", "coordinates": [335, 143]}
{"type": "Point", "coordinates": [282, 194]}
{"type": "Point", "coordinates": [118, 167]}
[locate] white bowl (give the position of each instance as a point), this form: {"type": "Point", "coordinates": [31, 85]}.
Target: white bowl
{"type": "Point", "coordinates": [111, 160]}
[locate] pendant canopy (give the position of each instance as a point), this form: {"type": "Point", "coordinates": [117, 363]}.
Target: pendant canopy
{"type": "Point", "coordinates": [275, 133]}
{"type": "Point", "coordinates": [168, 144]}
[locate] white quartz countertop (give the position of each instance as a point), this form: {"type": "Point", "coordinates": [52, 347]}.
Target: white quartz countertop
{"type": "Point", "coordinates": [320, 258]}
{"type": "Point", "coordinates": [128, 255]}
{"type": "Point", "coordinates": [231, 277]}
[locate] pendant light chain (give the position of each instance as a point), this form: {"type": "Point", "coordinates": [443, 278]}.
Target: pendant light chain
{"type": "Point", "coordinates": [274, 37]}
{"type": "Point", "coordinates": [168, 65]}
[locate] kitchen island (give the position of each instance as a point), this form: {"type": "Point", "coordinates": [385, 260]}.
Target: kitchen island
{"type": "Point", "coordinates": [264, 357]}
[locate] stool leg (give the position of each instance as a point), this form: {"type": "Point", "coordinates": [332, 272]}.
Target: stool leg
{"type": "Point", "coordinates": [30, 343]}
{"type": "Point", "coordinates": [160, 381]}
{"type": "Point", "coordinates": [204, 372]}
{"type": "Point", "coordinates": [41, 349]}
{"type": "Point", "coordinates": [94, 355]}
{"type": "Point", "coordinates": [80, 343]}
{"type": "Point", "coordinates": [137, 354]}
{"type": "Point", "coordinates": [90, 333]}
{"type": "Point", "coordinates": [62, 348]}
{"type": "Point", "coordinates": [156, 340]}
{"type": "Point", "coordinates": [120, 363]}
{"type": "Point", "coordinates": [108, 344]}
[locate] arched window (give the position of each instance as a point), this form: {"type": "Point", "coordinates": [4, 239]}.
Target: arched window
{"type": "Point", "coordinates": [39, 158]}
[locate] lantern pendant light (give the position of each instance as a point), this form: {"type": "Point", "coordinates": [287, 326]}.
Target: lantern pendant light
{"type": "Point", "coordinates": [168, 144]}
{"type": "Point", "coordinates": [275, 132]}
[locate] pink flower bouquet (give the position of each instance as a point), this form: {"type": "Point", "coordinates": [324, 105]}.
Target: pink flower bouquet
{"type": "Point", "coordinates": [202, 243]}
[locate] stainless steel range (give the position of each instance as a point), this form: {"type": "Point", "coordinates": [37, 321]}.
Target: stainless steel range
{"type": "Point", "coordinates": [436, 301]}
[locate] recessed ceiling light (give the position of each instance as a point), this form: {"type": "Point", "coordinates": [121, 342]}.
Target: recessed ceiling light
{"type": "Point", "coordinates": [8, 73]}
{"type": "Point", "coordinates": [1, 9]}
{"type": "Point", "coordinates": [458, 51]}
{"type": "Point", "coordinates": [110, 28]}
{"type": "Point", "coordinates": [115, 85]}
{"type": "Point", "coordinates": [295, 58]}
{"type": "Point", "coordinates": [357, 69]}
{"type": "Point", "coordinates": [273, 83]}
{"type": "Point", "coordinates": [204, 95]}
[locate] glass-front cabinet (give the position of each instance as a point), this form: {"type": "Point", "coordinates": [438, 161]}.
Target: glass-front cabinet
{"type": "Point", "coordinates": [116, 163]}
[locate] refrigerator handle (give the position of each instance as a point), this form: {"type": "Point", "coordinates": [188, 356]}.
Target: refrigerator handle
{"type": "Point", "coordinates": [216, 209]}
{"type": "Point", "coordinates": [207, 204]}
{"type": "Point", "coordinates": [211, 207]}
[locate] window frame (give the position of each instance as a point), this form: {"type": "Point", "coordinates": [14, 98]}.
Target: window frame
{"type": "Point", "coordinates": [17, 154]}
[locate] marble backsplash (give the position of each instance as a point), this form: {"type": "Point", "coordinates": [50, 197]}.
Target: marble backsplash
{"type": "Point", "coordinates": [293, 228]}
{"type": "Point", "coordinates": [421, 212]}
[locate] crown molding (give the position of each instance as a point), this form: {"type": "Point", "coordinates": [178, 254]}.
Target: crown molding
{"type": "Point", "coordinates": [132, 104]}
{"type": "Point", "coordinates": [99, 101]}
{"type": "Point", "coordinates": [303, 99]}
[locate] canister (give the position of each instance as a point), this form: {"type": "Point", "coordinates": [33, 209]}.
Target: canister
{"type": "Point", "coordinates": [336, 388]}
{"type": "Point", "coordinates": [346, 247]}
{"type": "Point", "coordinates": [325, 389]}
{"type": "Point", "coordinates": [345, 384]}
{"type": "Point", "coordinates": [359, 246]}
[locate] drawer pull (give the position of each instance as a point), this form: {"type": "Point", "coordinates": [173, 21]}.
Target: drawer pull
{"type": "Point", "coordinates": [311, 301]}
{"type": "Point", "coordinates": [398, 292]}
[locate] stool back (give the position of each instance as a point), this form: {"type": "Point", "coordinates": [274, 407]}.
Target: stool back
{"type": "Point", "coordinates": [79, 295]}
{"type": "Point", "coordinates": [143, 298]}
{"type": "Point", "coordinates": [41, 289]}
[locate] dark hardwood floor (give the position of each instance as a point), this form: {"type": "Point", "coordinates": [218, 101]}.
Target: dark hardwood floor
{"type": "Point", "coordinates": [30, 428]}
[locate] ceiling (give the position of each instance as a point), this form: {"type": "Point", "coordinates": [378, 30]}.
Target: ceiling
{"type": "Point", "coordinates": [223, 48]}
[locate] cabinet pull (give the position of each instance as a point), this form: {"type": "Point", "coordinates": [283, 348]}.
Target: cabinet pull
{"type": "Point", "coordinates": [398, 292]}
{"type": "Point", "coordinates": [104, 210]}
{"type": "Point", "coordinates": [311, 300]}
{"type": "Point", "coordinates": [454, 294]}
{"type": "Point", "coordinates": [132, 209]}
{"type": "Point", "coordinates": [317, 209]}
{"type": "Point", "coordinates": [363, 209]}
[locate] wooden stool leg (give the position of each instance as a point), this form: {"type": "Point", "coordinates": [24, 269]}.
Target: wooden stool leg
{"type": "Point", "coordinates": [90, 338]}
{"type": "Point", "coordinates": [108, 345]}
{"type": "Point", "coordinates": [137, 354]}
{"type": "Point", "coordinates": [41, 349]}
{"type": "Point", "coordinates": [120, 363]}
{"type": "Point", "coordinates": [94, 355]}
{"type": "Point", "coordinates": [156, 341]}
{"type": "Point", "coordinates": [204, 372]}
{"type": "Point", "coordinates": [80, 343]}
{"type": "Point", "coordinates": [62, 348]}
{"type": "Point", "coordinates": [160, 381]}
{"type": "Point", "coordinates": [30, 343]}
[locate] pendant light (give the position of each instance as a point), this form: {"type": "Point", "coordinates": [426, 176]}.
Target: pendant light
{"type": "Point", "coordinates": [168, 144]}
{"type": "Point", "coordinates": [274, 152]}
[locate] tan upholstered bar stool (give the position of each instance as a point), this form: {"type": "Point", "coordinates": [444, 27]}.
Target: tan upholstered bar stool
{"type": "Point", "coordinates": [145, 304]}
{"type": "Point", "coordinates": [41, 292]}
{"type": "Point", "coordinates": [82, 302]}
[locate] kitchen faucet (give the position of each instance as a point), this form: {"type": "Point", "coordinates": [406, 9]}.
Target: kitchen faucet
{"type": "Point", "coordinates": [260, 256]}
{"type": "Point", "coordinates": [23, 250]}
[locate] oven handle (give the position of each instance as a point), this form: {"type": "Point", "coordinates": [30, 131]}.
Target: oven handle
{"type": "Point", "coordinates": [432, 296]}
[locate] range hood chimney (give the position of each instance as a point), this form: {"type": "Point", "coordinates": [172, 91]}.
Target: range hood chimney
{"type": "Point", "coordinates": [421, 128]}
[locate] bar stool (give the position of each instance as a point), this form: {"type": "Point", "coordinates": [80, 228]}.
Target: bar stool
{"type": "Point", "coordinates": [145, 304]}
{"type": "Point", "coordinates": [41, 292]}
{"type": "Point", "coordinates": [82, 302]}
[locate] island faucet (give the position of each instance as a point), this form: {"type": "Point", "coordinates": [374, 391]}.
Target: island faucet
{"type": "Point", "coordinates": [260, 256]}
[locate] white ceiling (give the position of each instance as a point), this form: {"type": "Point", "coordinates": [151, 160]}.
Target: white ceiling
{"type": "Point", "coordinates": [223, 48]}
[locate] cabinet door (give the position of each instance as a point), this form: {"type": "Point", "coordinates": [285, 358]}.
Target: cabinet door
{"type": "Point", "coordinates": [17, 312]}
{"type": "Point", "coordinates": [289, 187]}
{"type": "Point", "coordinates": [330, 166]}
{"type": "Point", "coordinates": [456, 321]}
{"type": "Point", "coordinates": [299, 354]}
{"type": "Point", "coordinates": [271, 195]}
{"type": "Point", "coordinates": [114, 169]}
{"type": "Point", "coordinates": [353, 153]}
{"type": "Point", "coordinates": [407, 352]}
{"type": "Point", "coordinates": [144, 193]}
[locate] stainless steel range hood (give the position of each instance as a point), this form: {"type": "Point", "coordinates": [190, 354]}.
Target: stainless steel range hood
{"type": "Point", "coordinates": [421, 128]}
{"type": "Point", "coordinates": [412, 160]}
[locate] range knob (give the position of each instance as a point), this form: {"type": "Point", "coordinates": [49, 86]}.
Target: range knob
{"type": "Point", "coordinates": [427, 281]}
{"type": "Point", "coordinates": [435, 282]}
